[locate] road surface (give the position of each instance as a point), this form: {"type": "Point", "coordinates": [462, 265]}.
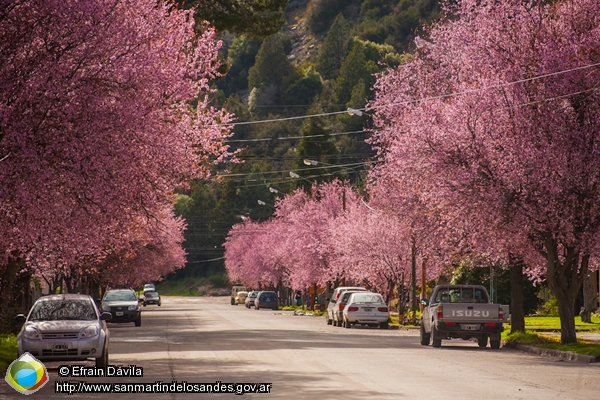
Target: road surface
{"type": "Point", "coordinates": [206, 340]}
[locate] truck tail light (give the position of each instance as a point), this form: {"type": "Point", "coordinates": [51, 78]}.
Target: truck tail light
{"type": "Point", "coordinates": [490, 325]}
{"type": "Point", "coordinates": [500, 313]}
{"type": "Point", "coordinates": [341, 307]}
{"type": "Point", "coordinates": [440, 312]}
{"type": "Point", "coordinates": [352, 308]}
{"type": "Point", "coordinates": [382, 309]}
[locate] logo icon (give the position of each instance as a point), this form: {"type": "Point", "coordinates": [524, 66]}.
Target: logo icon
{"type": "Point", "coordinates": [26, 374]}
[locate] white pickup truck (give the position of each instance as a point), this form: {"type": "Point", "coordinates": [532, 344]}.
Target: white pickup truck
{"type": "Point", "coordinates": [461, 312]}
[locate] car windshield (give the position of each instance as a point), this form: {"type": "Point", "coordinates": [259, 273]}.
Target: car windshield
{"type": "Point", "coordinates": [151, 294]}
{"type": "Point", "coordinates": [149, 286]}
{"type": "Point", "coordinates": [265, 296]}
{"type": "Point", "coordinates": [63, 309]}
{"type": "Point", "coordinates": [120, 296]}
{"type": "Point", "coordinates": [367, 298]}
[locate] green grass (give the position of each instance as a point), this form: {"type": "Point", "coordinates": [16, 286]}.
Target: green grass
{"type": "Point", "coordinates": [551, 342]}
{"type": "Point", "coordinates": [8, 351]}
{"type": "Point", "coordinates": [553, 324]}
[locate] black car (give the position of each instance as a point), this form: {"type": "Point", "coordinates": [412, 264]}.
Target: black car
{"type": "Point", "coordinates": [151, 298]}
{"type": "Point", "coordinates": [123, 304]}
{"type": "Point", "coordinates": [266, 300]}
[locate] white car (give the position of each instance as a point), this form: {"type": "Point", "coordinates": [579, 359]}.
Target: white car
{"type": "Point", "coordinates": [149, 287]}
{"type": "Point", "coordinates": [338, 312]}
{"type": "Point", "coordinates": [366, 309]}
{"type": "Point", "coordinates": [332, 306]}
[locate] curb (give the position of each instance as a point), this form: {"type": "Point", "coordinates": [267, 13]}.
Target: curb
{"type": "Point", "coordinates": [561, 355]}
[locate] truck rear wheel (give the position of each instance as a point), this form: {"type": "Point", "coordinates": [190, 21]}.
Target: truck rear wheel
{"type": "Point", "coordinates": [425, 337]}
{"type": "Point", "coordinates": [495, 340]}
{"type": "Point", "coordinates": [437, 337]}
{"type": "Point", "coordinates": [482, 341]}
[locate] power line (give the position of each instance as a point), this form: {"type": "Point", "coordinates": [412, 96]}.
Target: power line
{"type": "Point", "coordinates": [443, 96]}
{"type": "Point", "coordinates": [292, 137]}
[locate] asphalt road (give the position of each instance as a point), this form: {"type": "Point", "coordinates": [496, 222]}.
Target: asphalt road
{"type": "Point", "coordinates": [206, 340]}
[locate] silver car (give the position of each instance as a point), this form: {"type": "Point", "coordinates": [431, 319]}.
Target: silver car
{"type": "Point", "coordinates": [366, 309]}
{"type": "Point", "coordinates": [65, 327]}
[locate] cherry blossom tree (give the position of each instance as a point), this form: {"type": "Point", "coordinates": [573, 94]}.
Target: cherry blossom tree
{"type": "Point", "coordinates": [104, 110]}
{"type": "Point", "coordinates": [494, 123]}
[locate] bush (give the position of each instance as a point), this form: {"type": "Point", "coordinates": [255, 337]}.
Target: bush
{"type": "Point", "coordinates": [549, 308]}
{"type": "Point", "coordinates": [219, 281]}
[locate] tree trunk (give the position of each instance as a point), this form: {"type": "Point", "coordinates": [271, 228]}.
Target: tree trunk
{"type": "Point", "coordinates": [8, 274]}
{"type": "Point", "coordinates": [565, 280]}
{"type": "Point", "coordinates": [517, 300]}
{"type": "Point", "coordinates": [589, 299]}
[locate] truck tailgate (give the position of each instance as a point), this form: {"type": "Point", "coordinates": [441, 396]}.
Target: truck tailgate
{"type": "Point", "coordinates": [471, 312]}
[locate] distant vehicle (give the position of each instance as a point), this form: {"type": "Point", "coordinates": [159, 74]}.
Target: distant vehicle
{"type": "Point", "coordinates": [461, 312]}
{"type": "Point", "coordinates": [331, 306]}
{"type": "Point", "coordinates": [240, 298]}
{"type": "Point", "coordinates": [338, 312]}
{"type": "Point", "coordinates": [65, 327]}
{"type": "Point", "coordinates": [151, 298]}
{"type": "Point", "coordinates": [266, 299]}
{"type": "Point", "coordinates": [366, 308]}
{"type": "Point", "coordinates": [124, 306]}
{"type": "Point", "coordinates": [149, 287]}
{"type": "Point", "coordinates": [250, 299]}
{"type": "Point", "coordinates": [234, 290]}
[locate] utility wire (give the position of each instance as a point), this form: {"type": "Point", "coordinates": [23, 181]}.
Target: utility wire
{"type": "Point", "coordinates": [443, 96]}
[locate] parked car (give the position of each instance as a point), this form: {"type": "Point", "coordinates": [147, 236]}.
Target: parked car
{"type": "Point", "coordinates": [249, 302]}
{"type": "Point", "coordinates": [151, 298]}
{"type": "Point", "coordinates": [266, 299]}
{"type": "Point", "coordinates": [149, 287]}
{"type": "Point", "coordinates": [338, 312]}
{"type": "Point", "coordinates": [124, 306]}
{"type": "Point", "coordinates": [234, 291]}
{"type": "Point", "coordinates": [462, 312]}
{"type": "Point", "coordinates": [240, 298]}
{"type": "Point", "coordinates": [331, 306]}
{"type": "Point", "coordinates": [65, 327]}
{"type": "Point", "coordinates": [366, 309]}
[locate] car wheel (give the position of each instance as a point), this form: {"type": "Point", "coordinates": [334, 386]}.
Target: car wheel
{"type": "Point", "coordinates": [383, 325]}
{"type": "Point", "coordinates": [340, 323]}
{"type": "Point", "coordinates": [102, 361]}
{"type": "Point", "coordinates": [232, 302]}
{"type": "Point", "coordinates": [138, 322]}
{"type": "Point", "coordinates": [482, 341]}
{"type": "Point", "coordinates": [256, 307]}
{"type": "Point", "coordinates": [495, 340]}
{"type": "Point", "coordinates": [347, 324]}
{"type": "Point", "coordinates": [144, 304]}
{"type": "Point", "coordinates": [329, 321]}
{"type": "Point", "coordinates": [159, 303]}
{"type": "Point", "coordinates": [425, 337]}
{"type": "Point", "coordinates": [437, 337]}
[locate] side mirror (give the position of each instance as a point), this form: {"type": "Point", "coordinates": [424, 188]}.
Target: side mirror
{"type": "Point", "coordinates": [20, 319]}
{"type": "Point", "coordinates": [424, 302]}
{"type": "Point", "coordinates": [105, 316]}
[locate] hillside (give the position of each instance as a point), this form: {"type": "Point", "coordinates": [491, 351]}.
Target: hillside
{"type": "Point", "coordinates": [323, 60]}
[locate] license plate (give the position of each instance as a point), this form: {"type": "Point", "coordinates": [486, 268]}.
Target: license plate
{"type": "Point", "coordinates": [470, 327]}
{"type": "Point", "coordinates": [119, 313]}
{"type": "Point", "coordinates": [60, 346]}
{"type": "Point", "coordinates": [367, 309]}
{"type": "Point", "coordinates": [268, 300]}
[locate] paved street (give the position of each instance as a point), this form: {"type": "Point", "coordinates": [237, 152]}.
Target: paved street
{"type": "Point", "coordinates": [205, 340]}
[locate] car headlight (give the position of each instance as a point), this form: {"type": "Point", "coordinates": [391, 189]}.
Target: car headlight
{"type": "Point", "coordinates": [89, 332]}
{"type": "Point", "coordinates": [133, 307]}
{"type": "Point", "coordinates": [32, 333]}
{"type": "Point", "coordinates": [105, 307]}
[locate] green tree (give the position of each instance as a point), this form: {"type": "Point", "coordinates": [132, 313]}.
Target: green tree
{"type": "Point", "coordinates": [354, 67]}
{"type": "Point", "coordinates": [254, 18]}
{"type": "Point", "coordinates": [317, 148]}
{"type": "Point", "coordinates": [334, 48]}
{"type": "Point", "coordinates": [303, 91]}
{"type": "Point", "coordinates": [271, 66]}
